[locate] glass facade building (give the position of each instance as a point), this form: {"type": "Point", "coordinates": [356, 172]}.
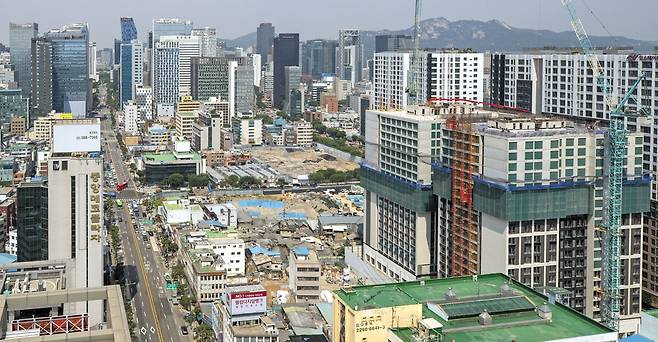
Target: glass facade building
{"type": "Point", "coordinates": [20, 40]}
{"type": "Point", "coordinates": [32, 221]}
{"type": "Point", "coordinates": [70, 69]}
{"type": "Point", "coordinates": [286, 53]}
{"type": "Point", "coordinates": [128, 30]}
{"type": "Point", "coordinates": [12, 104]}
{"type": "Point", "coordinates": [41, 98]}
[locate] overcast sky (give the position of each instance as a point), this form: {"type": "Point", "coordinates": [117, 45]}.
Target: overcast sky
{"type": "Point", "coordinates": [322, 18]}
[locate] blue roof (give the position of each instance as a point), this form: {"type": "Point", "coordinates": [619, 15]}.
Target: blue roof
{"type": "Point", "coordinates": [301, 251]}
{"type": "Point", "coordinates": [635, 338]}
{"type": "Point", "coordinates": [214, 223]}
{"type": "Point", "coordinates": [6, 258]}
{"type": "Point", "coordinates": [261, 250]}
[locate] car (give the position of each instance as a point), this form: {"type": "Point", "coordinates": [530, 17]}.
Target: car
{"type": "Point", "coordinates": [183, 330]}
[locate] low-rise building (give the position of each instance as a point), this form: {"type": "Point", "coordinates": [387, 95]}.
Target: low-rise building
{"type": "Point", "coordinates": [184, 122]}
{"type": "Point", "coordinates": [248, 131]}
{"type": "Point", "coordinates": [158, 166]}
{"type": "Point", "coordinates": [304, 274]}
{"type": "Point", "coordinates": [241, 316]}
{"type": "Point", "coordinates": [489, 307]}
{"type": "Point", "coordinates": [157, 135]}
{"type": "Point", "coordinates": [303, 132]}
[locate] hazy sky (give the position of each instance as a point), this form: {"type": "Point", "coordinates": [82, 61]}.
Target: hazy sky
{"type": "Point", "coordinates": [323, 18]}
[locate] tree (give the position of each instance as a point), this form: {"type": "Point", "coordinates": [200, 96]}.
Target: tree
{"type": "Point", "coordinates": [175, 180]}
{"type": "Point", "coordinates": [281, 182]}
{"type": "Point", "coordinates": [248, 182]}
{"type": "Point", "coordinates": [231, 181]}
{"type": "Point", "coordinates": [197, 181]}
{"type": "Point", "coordinates": [267, 120]}
{"type": "Point", "coordinates": [178, 271]}
{"type": "Point", "coordinates": [205, 333]}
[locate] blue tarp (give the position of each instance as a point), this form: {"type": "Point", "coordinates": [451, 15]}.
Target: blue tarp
{"type": "Point", "coordinates": [301, 250]}
{"type": "Point", "coordinates": [260, 250]}
{"type": "Point", "coordinates": [261, 203]}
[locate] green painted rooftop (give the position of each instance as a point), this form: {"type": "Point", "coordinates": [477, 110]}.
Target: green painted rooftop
{"type": "Point", "coordinates": [653, 313]}
{"type": "Point", "coordinates": [526, 325]}
{"type": "Point", "coordinates": [214, 234]}
{"type": "Point", "coordinates": [169, 156]}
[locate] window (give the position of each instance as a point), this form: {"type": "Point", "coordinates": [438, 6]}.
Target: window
{"type": "Point", "coordinates": [582, 141]}
{"type": "Point", "coordinates": [569, 162]}
{"type": "Point", "coordinates": [512, 146]}
{"type": "Point", "coordinates": [528, 166]}
{"type": "Point", "coordinates": [581, 151]}
{"type": "Point", "coordinates": [555, 143]}
{"type": "Point", "coordinates": [511, 167]}
{"type": "Point", "coordinates": [528, 145]}
{"type": "Point", "coordinates": [569, 152]}
{"type": "Point", "coordinates": [538, 166]}
{"type": "Point", "coordinates": [570, 142]}
{"type": "Point", "coordinates": [555, 154]}
{"type": "Point", "coordinates": [539, 144]}
{"type": "Point", "coordinates": [511, 177]}
{"type": "Point", "coordinates": [581, 161]}
{"type": "Point", "coordinates": [512, 156]}
{"type": "Point", "coordinates": [528, 155]}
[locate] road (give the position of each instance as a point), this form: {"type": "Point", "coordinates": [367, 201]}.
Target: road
{"type": "Point", "coordinates": [156, 318]}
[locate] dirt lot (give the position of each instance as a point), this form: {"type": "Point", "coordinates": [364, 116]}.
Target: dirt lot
{"type": "Point", "coordinates": [296, 162]}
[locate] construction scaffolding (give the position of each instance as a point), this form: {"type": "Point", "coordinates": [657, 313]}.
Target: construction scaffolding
{"type": "Point", "coordinates": [464, 153]}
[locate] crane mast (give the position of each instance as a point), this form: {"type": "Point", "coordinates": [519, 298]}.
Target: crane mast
{"type": "Point", "coordinates": [615, 156]}
{"type": "Point", "coordinates": [414, 82]}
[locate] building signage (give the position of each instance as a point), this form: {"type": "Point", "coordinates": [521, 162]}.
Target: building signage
{"type": "Point", "coordinates": [248, 302]}
{"type": "Point", "coordinates": [641, 58]}
{"type": "Point", "coordinates": [95, 216]}
{"type": "Point", "coordinates": [76, 138]}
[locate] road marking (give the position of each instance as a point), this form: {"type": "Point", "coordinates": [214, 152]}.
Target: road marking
{"type": "Point", "coordinates": [152, 330]}
{"type": "Point", "coordinates": [143, 331]}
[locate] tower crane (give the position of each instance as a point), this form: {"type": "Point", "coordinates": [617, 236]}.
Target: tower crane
{"type": "Point", "coordinates": [413, 79]}
{"type": "Point", "coordinates": [616, 154]}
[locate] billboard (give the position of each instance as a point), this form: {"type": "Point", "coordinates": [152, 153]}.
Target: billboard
{"type": "Point", "coordinates": [68, 138]}
{"type": "Point", "coordinates": [248, 302]}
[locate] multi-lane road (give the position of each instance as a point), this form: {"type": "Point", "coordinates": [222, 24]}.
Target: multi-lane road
{"type": "Point", "coordinates": [157, 319]}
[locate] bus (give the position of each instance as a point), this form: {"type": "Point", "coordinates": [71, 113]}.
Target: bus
{"type": "Point", "coordinates": [122, 186]}
{"type": "Point", "coordinates": [119, 204]}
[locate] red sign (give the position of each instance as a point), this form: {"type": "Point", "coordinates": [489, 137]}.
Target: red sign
{"type": "Point", "coordinates": [248, 302]}
{"type": "Point", "coordinates": [244, 295]}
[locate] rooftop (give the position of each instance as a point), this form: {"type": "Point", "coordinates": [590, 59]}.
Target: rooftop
{"type": "Point", "coordinates": [516, 310]}
{"type": "Point", "coordinates": [170, 156]}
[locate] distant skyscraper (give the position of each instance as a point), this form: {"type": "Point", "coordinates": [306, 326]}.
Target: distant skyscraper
{"type": "Point", "coordinates": [165, 73]}
{"type": "Point", "coordinates": [91, 55]}
{"type": "Point", "coordinates": [293, 77]}
{"type": "Point", "coordinates": [210, 78]}
{"type": "Point", "coordinates": [286, 53]}
{"type": "Point", "coordinates": [70, 70]}
{"type": "Point", "coordinates": [132, 69]}
{"type": "Point", "coordinates": [128, 30]}
{"type": "Point", "coordinates": [208, 40]}
{"type": "Point", "coordinates": [32, 220]}
{"type": "Point", "coordinates": [244, 89]}
{"type": "Point", "coordinates": [117, 51]}
{"type": "Point", "coordinates": [170, 27]}
{"type": "Point", "coordinates": [188, 47]}
{"type": "Point", "coordinates": [264, 40]}
{"type": "Point", "coordinates": [319, 57]}
{"type": "Point", "coordinates": [349, 59]}
{"type": "Point", "coordinates": [20, 40]}
{"type": "Point", "coordinates": [389, 42]}
{"type": "Point", "coordinates": [41, 98]}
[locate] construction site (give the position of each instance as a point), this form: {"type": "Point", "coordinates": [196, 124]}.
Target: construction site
{"type": "Point", "coordinates": [295, 162]}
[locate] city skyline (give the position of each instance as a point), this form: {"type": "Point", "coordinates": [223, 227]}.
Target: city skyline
{"type": "Point", "coordinates": [536, 14]}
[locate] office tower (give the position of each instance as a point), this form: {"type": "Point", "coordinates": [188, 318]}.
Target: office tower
{"type": "Point", "coordinates": [393, 43]}
{"type": "Point", "coordinates": [91, 55]}
{"type": "Point", "coordinates": [188, 47]}
{"type": "Point", "coordinates": [132, 69]}
{"type": "Point", "coordinates": [210, 78]}
{"type": "Point", "coordinates": [41, 99]}
{"type": "Point", "coordinates": [75, 204]}
{"type": "Point", "coordinates": [208, 40]}
{"type": "Point", "coordinates": [12, 105]}
{"type": "Point", "coordinates": [206, 131]}
{"type": "Point", "coordinates": [264, 40]}
{"type": "Point", "coordinates": [245, 96]}
{"type": "Point", "coordinates": [319, 57]}
{"type": "Point", "coordinates": [166, 73]}
{"type": "Point", "coordinates": [128, 30]}
{"type": "Point", "coordinates": [130, 117]}
{"type": "Point", "coordinates": [286, 53]}
{"type": "Point", "coordinates": [438, 74]}
{"type": "Point", "coordinates": [32, 220]}
{"type": "Point", "coordinates": [170, 27]}
{"type": "Point", "coordinates": [349, 58]}
{"type": "Point", "coordinates": [144, 102]}
{"type": "Point", "coordinates": [20, 43]}
{"type": "Point", "coordinates": [70, 79]}
{"type": "Point", "coordinates": [117, 52]}
{"type": "Point", "coordinates": [104, 59]}
{"type": "Point", "coordinates": [257, 65]}
{"type": "Point", "coordinates": [293, 78]}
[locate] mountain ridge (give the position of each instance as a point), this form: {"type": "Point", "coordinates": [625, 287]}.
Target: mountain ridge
{"type": "Point", "coordinates": [491, 35]}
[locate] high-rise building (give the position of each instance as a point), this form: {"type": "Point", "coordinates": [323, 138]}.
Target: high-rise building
{"type": "Point", "coordinates": [208, 40]}
{"type": "Point", "coordinates": [206, 131]}
{"type": "Point", "coordinates": [264, 40]}
{"type": "Point", "coordinates": [438, 73]}
{"type": "Point", "coordinates": [128, 30]}
{"type": "Point", "coordinates": [130, 117]}
{"type": "Point", "coordinates": [286, 53]}
{"type": "Point", "coordinates": [41, 98]}
{"type": "Point", "coordinates": [170, 27]}
{"type": "Point", "coordinates": [188, 47]}
{"type": "Point", "coordinates": [319, 57]}
{"type": "Point", "coordinates": [349, 57]}
{"type": "Point", "coordinates": [91, 54]}
{"type": "Point", "coordinates": [104, 59]}
{"type": "Point", "coordinates": [245, 96]}
{"type": "Point", "coordinates": [166, 73]}
{"type": "Point", "coordinates": [393, 43]}
{"type": "Point", "coordinates": [12, 105]}
{"type": "Point", "coordinates": [71, 88]}
{"type": "Point", "coordinates": [75, 204]}
{"type": "Point", "coordinates": [32, 220]}
{"type": "Point", "coordinates": [20, 43]}
{"type": "Point", "coordinates": [293, 79]}
{"type": "Point", "coordinates": [144, 102]}
{"type": "Point", "coordinates": [132, 69]}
